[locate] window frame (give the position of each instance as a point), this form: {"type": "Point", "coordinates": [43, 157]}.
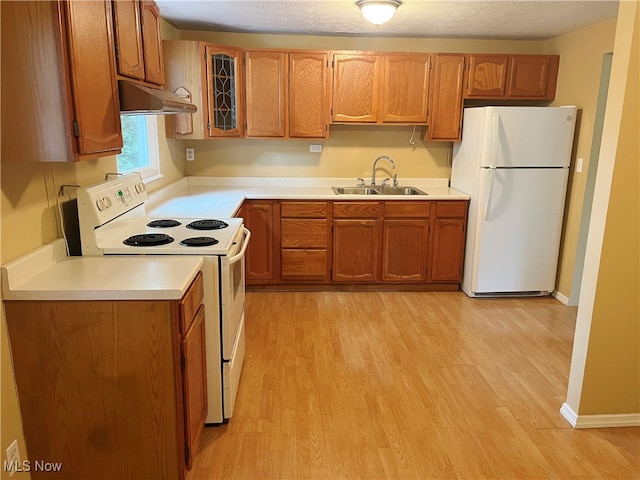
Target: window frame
{"type": "Point", "coordinates": [151, 172]}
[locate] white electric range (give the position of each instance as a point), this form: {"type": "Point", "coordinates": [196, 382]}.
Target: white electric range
{"type": "Point", "coordinates": [113, 221]}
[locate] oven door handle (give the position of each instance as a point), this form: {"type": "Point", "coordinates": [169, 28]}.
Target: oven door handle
{"type": "Point", "coordinates": [237, 257]}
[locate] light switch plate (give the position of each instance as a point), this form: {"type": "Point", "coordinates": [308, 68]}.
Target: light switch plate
{"type": "Point", "coordinates": [579, 163]}
{"type": "Point", "coordinates": [315, 148]}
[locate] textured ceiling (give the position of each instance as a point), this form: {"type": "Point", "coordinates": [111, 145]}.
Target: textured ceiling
{"type": "Point", "coordinates": [489, 19]}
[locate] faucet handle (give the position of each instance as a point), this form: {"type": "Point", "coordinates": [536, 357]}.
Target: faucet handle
{"type": "Point", "coordinates": [384, 182]}
{"type": "Point", "coordinates": [359, 182]}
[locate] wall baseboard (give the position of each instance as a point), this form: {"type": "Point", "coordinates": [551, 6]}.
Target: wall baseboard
{"type": "Point", "coordinates": [599, 421]}
{"type": "Point", "coordinates": [560, 297]}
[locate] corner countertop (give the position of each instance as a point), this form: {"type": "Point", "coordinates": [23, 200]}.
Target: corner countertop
{"type": "Point", "coordinates": [48, 274]}
{"type": "Point", "coordinates": [223, 196]}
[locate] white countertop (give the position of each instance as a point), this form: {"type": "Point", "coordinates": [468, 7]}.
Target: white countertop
{"type": "Point", "coordinates": [48, 274]}
{"type": "Point", "coordinates": [222, 197]}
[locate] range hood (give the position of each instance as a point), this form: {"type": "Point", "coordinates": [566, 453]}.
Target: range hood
{"type": "Point", "coordinates": [137, 99]}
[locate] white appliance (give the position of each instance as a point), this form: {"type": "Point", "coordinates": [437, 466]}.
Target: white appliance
{"type": "Point", "coordinates": [113, 221]}
{"type": "Point", "coordinates": [514, 164]}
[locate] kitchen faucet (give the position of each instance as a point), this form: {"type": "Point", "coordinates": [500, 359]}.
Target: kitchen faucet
{"type": "Point", "coordinates": [375, 162]}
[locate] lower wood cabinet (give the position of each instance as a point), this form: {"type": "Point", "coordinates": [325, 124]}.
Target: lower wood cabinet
{"type": "Point", "coordinates": [304, 241]}
{"type": "Point", "coordinates": [405, 241]}
{"type": "Point", "coordinates": [449, 229]}
{"type": "Point", "coordinates": [193, 366]}
{"type": "Point", "coordinates": [352, 242]}
{"type": "Point", "coordinates": [259, 218]}
{"type": "Point", "coordinates": [356, 240]}
{"type": "Point", "coordinates": [111, 389]}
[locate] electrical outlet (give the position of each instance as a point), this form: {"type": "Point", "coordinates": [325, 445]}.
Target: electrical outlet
{"type": "Point", "coordinates": [190, 155]}
{"type": "Point", "coordinates": [315, 148]}
{"type": "Point", "coordinates": [13, 458]}
{"type": "Point", "coordinates": [579, 163]}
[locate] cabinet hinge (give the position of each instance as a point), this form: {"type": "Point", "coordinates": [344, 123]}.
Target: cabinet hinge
{"type": "Point", "coordinates": [76, 128]}
{"type": "Point", "coordinates": [333, 64]}
{"type": "Point", "coordinates": [204, 56]}
{"type": "Point", "coordinates": [116, 52]}
{"type": "Point", "coordinates": [209, 126]}
{"type": "Point", "coordinates": [183, 362]}
{"type": "Point", "coordinates": [187, 454]}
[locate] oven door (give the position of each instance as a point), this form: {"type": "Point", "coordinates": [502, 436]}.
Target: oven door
{"type": "Point", "coordinates": [232, 291]}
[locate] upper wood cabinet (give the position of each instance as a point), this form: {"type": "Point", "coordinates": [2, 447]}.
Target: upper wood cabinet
{"type": "Point", "coordinates": [512, 77]}
{"type": "Point", "coordinates": [212, 76]}
{"type": "Point", "coordinates": [60, 102]}
{"type": "Point", "coordinates": [266, 93]}
{"type": "Point", "coordinates": [286, 94]}
{"type": "Point", "coordinates": [380, 88]}
{"type": "Point", "coordinates": [405, 88]}
{"type": "Point", "coordinates": [128, 36]}
{"type": "Point", "coordinates": [356, 86]}
{"type": "Point", "coordinates": [445, 97]}
{"type": "Point", "coordinates": [486, 76]}
{"type": "Point", "coordinates": [224, 110]}
{"type": "Point", "coordinates": [138, 42]}
{"type": "Point", "coordinates": [308, 99]}
{"type": "Point", "coordinates": [533, 76]}
{"type": "Point", "coordinates": [152, 43]}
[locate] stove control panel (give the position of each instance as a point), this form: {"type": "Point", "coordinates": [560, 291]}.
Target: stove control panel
{"type": "Point", "coordinates": [102, 203]}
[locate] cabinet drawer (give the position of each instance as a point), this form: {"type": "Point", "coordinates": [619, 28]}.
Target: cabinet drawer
{"type": "Point", "coordinates": [303, 209]}
{"type": "Point", "coordinates": [407, 209]}
{"type": "Point", "coordinates": [451, 209]}
{"type": "Point", "coordinates": [356, 209]}
{"type": "Point", "coordinates": [189, 304]}
{"type": "Point", "coordinates": [304, 264]}
{"type": "Point", "coordinates": [303, 233]}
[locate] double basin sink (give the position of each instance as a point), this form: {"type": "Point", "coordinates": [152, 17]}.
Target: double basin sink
{"type": "Point", "coordinates": [375, 190]}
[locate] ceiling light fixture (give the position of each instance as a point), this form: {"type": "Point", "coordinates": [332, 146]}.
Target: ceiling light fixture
{"type": "Point", "coordinates": [378, 11]}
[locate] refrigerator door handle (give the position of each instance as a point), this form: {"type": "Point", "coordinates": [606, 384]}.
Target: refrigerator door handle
{"type": "Point", "coordinates": [496, 136]}
{"type": "Point", "coordinates": [487, 207]}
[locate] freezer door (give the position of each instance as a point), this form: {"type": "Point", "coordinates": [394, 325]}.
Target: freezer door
{"type": "Point", "coordinates": [517, 228]}
{"type": "Point", "coordinates": [528, 136]}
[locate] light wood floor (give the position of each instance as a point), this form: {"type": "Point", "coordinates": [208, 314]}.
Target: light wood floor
{"type": "Point", "coordinates": [408, 386]}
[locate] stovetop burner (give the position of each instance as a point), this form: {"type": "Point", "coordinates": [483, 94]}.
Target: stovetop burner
{"type": "Point", "coordinates": [163, 223]}
{"type": "Point", "coordinates": [207, 224]}
{"type": "Point", "coordinates": [199, 242]}
{"type": "Point", "coordinates": [148, 240]}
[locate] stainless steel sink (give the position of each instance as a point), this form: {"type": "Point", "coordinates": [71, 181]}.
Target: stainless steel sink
{"type": "Point", "coordinates": [400, 191]}
{"type": "Point", "coordinates": [355, 190]}
{"type": "Point", "coordinates": [374, 190]}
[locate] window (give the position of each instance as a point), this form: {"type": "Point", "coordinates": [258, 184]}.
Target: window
{"type": "Point", "coordinates": [140, 146]}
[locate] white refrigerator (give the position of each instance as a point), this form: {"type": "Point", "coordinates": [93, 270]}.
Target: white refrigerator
{"type": "Point", "coordinates": [514, 164]}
